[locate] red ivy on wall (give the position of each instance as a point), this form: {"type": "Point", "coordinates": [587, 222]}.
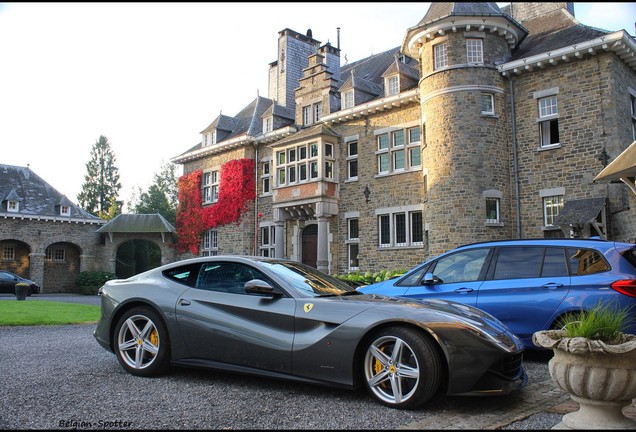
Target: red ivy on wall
{"type": "Point", "coordinates": [189, 213]}
{"type": "Point", "coordinates": [236, 189]}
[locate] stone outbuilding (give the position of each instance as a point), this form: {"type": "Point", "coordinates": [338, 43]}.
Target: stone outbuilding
{"type": "Point", "coordinates": [45, 237]}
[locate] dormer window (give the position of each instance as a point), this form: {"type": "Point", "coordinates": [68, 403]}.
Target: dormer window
{"type": "Point", "coordinates": [13, 206]}
{"type": "Point", "coordinates": [393, 85]}
{"type": "Point", "coordinates": [268, 124]}
{"type": "Point", "coordinates": [65, 210]}
{"type": "Point", "coordinates": [347, 99]}
{"type": "Point", "coordinates": [209, 138]}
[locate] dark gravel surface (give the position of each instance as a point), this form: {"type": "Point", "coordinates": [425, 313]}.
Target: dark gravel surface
{"type": "Point", "coordinates": [58, 377]}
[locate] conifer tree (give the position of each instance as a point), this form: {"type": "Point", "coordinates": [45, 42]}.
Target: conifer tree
{"type": "Point", "coordinates": [101, 182]}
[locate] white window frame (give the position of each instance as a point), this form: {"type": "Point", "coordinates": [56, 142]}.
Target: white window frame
{"type": "Point", "coordinates": [210, 187]}
{"type": "Point", "coordinates": [395, 148]}
{"type": "Point", "coordinates": [475, 51]}
{"type": "Point", "coordinates": [305, 166]}
{"type": "Point", "coordinates": [268, 124]}
{"type": "Point", "coordinates": [8, 252]}
{"type": "Point", "coordinates": [55, 254]}
{"type": "Point", "coordinates": [210, 243]}
{"type": "Point", "coordinates": [267, 244]}
{"type": "Point", "coordinates": [440, 56]}
{"type": "Point", "coordinates": [490, 203]}
{"type": "Point", "coordinates": [487, 104]}
{"type": "Point", "coordinates": [266, 177]}
{"type": "Point", "coordinates": [392, 85]}
{"type": "Point", "coordinates": [552, 207]}
{"type": "Point", "coordinates": [13, 206]}
{"type": "Point", "coordinates": [548, 119]}
{"type": "Point", "coordinates": [352, 159]}
{"type": "Point", "coordinates": [353, 243]}
{"type": "Point", "coordinates": [307, 115]}
{"type": "Point", "coordinates": [65, 210]}
{"type": "Point", "coordinates": [348, 99]}
{"type": "Point", "coordinates": [317, 109]}
{"type": "Point", "coordinates": [400, 227]}
{"type": "Point", "coordinates": [414, 146]}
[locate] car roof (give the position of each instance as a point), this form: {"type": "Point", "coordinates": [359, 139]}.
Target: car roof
{"type": "Point", "coordinates": [566, 241]}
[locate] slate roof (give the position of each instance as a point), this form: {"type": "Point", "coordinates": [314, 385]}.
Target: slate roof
{"type": "Point", "coordinates": [581, 211]}
{"type": "Point", "coordinates": [443, 9]}
{"type": "Point", "coordinates": [247, 122]}
{"type": "Point", "coordinates": [36, 197]}
{"type": "Point", "coordinates": [371, 68]}
{"type": "Point", "coordinates": [138, 223]}
{"type": "Point", "coordinates": [554, 30]}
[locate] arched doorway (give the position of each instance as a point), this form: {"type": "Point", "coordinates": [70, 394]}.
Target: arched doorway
{"type": "Point", "coordinates": [61, 267]}
{"type": "Point", "coordinates": [15, 257]}
{"type": "Point", "coordinates": [136, 256]}
{"type": "Point", "coordinates": [310, 245]}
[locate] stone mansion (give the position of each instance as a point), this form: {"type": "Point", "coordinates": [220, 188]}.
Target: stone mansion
{"type": "Point", "coordinates": [485, 123]}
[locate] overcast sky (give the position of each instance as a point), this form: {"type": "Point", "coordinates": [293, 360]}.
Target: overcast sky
{"type": "Point", "coordinates": [151, 76]}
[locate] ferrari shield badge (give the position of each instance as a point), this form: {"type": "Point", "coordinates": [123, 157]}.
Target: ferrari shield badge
{"type": "Point", "coordinates": [308, 307]}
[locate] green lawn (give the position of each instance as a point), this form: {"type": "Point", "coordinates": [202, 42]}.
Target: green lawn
{"type": "Point", "coordinates": [42, 312]}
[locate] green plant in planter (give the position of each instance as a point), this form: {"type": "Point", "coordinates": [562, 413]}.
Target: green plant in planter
{"type": "Point", "coordinates": [603, 322]}
{"type": "Point", "coordinates": [595, 362]}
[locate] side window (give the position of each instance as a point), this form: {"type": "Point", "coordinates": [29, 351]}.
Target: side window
{"type": "Point", "coordinates": [586, 261]}
{"type": "Point", "coordinates": [465, 266]}
{"type": "Point", "coordinates": [554, 263]}
{"type": "Point", "coordinates": [518, 262]}
{"type": "Point", "coordinates": [186, 275]}
{"type": "Point", "coordinates": [227, 277]}
{"type": "Point", "coordinates": [415, 277]}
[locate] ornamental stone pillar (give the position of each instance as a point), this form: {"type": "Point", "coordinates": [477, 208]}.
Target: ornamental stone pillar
{"type": "Point", "coordinates": [322, 259]}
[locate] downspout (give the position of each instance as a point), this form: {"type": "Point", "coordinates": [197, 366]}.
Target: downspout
{"type": "Point", "coordinates": [255, 200]}
{"type": "Point", "coordinates": [514, 156]}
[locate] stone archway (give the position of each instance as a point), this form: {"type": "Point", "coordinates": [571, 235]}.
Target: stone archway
{"type": "Point", "coordinates": [136, 256]}
{"type": "Point", "coordinates": [61, 267]}
{"type": "Point", "coordinates": [15, 257]}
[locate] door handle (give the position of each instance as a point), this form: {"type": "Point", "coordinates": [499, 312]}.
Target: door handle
{"type": "Point", "coordinates": [552, 285]}
{"type": "Point", "coordinates": [463, 290]}
{"type": "Point", "coordinates": [184, 302]}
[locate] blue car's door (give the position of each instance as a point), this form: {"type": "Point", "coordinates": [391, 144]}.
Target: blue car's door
{"type": "Point", "coordinates": [456, 277]}
{"type": "Point", "coordinates": [534, 277]}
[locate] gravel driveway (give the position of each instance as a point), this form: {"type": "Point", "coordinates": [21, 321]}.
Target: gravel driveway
{"type": "Point", "coordinates": [58, 377]}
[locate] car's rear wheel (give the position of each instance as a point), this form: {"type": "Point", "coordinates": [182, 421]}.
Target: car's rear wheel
{"type": "Point", "coordinates": [402, 368]}
{"type": "Point", "coordinates": [141, 342]}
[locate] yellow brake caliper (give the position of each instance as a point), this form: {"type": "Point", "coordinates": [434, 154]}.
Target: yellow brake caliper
{"type": "Point", "coordinates": [154, 338]}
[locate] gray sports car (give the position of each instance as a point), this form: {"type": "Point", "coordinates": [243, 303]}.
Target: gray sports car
{"type": "Point", "coordinates": [282, 319]}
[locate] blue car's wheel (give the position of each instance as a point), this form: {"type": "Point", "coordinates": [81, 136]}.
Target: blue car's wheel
{"type": "Point", "coordinates": [402, 368]}
{"type": "Point", "coordinates": [141, 342]}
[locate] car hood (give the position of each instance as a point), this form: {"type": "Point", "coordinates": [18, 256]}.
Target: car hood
{"type": "Point", "coordinates": [429, 308]}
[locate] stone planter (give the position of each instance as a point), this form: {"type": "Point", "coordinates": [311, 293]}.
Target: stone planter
{"type": "Point", "coordinates": [600, 376]}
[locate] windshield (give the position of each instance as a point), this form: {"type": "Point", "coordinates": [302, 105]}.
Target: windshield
{"type": "Point", "coordinates": [309, 280]}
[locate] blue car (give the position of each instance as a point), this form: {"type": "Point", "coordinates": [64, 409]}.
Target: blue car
{"type": "Point", "coordinates": [528, 284]}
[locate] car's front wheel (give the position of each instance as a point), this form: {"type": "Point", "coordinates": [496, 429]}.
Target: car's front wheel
{"type": "Point", "coordinates": [402, 368]}
{"type": "Point", "coordinates": [141, 342]}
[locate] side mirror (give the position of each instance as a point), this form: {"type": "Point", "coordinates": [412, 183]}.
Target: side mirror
{"type": "Point", "coordinates": [430, 279]}
{"type": "Point", "coordinates": [259, 287]}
